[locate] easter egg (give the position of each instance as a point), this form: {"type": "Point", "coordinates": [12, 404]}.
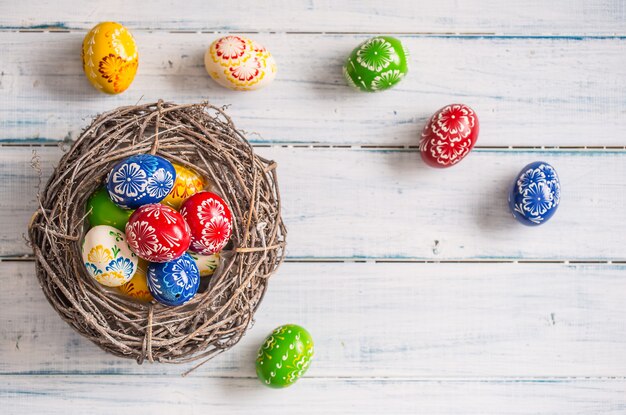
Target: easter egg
{"type": "Point", "coordinates": [102, 211]}
{"type": "Point", "coordinates": [449, 135]}
{"type": "Point", "coordinates": [377, 64]}
{"type": "Point", "coordinates": [187, 183]}
{"type": "Point", "coordinates": [239, 63]}
{"type": "Point", "coordinates": [284, 356]}
{"type": "Point", "coordinates": [137, 287]}
{"type": "Point", "coordinates": [107, 256]}
{"type": "Point", "coordinates": [535, 194]}
{"type": "Point", "coordinates": [207, 264]}
{"type": "Point", "coordinates": [140, 180]}
{"type": "Point", "coordinates": [110, 57]}
{"type": "Point", "coordinates": [210, 221]}
{"type": "Point", "coordinates": [174, 282]}
{"type": "Point", "coordinates": [157, 233]}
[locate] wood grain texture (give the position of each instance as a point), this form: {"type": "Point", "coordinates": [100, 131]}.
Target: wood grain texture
{"type": "Point", "coordinates": [604, 17]}
{"type": "Point", "coordinates": [526, 92]}
{"type": "Point", "coordinates": [393, 337]}
{"type": "Point", "coordinates": [347, 203]}
{"type": "Point", "coordinates": [375, 320]}
{"type": "Point", "coordinates": [118, 394]}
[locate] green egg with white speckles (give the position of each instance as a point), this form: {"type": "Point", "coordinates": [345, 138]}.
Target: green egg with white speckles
{"type": "Point", "coordinates": [377, 64]}
{"type": "Point", "coordinates": [284, 356]}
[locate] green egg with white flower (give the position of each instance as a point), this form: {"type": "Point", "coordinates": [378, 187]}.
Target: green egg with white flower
{"type": "Point", "coordinates": [377, 64]}
{"type": "Point", "coordinates": [284, 356]}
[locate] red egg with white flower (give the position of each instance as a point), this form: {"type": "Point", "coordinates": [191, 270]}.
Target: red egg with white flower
{"type": "Point", "coordinates": [157, 233]}
{"type": "Point", "coordinates": [210, 221]}
{"type": "Point", "coordinates": [449, 135]}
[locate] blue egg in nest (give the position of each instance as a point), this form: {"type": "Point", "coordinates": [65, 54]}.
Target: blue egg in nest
{"type": "Point", "coordinates": [140, 180]}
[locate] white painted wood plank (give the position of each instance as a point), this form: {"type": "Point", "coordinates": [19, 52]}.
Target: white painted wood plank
{"type": "Point", "coordinates": [342, 203]}
{"type": "Point", "coordinates": [383, 320]}
{"type": "Point", "coordinates": [165, 395]}
{"type": "Point", "coordinates": [445, 16]}
{"type": "Point", "coordinates": [527, 92]}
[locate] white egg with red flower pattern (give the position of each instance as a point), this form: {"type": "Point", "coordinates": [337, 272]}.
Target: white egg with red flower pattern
{"type": "Point", "coordinates": [209, 220]}
{"type": "Point", "coordinates": [239, 63]}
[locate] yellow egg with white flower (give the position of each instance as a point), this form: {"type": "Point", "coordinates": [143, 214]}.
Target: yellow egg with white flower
{"type": "Point", "coordinates": [137, 287]}
{"type": "Point", "coordinates": [110, 57]}
{"type": "Point", "coordinates": [188, 182]}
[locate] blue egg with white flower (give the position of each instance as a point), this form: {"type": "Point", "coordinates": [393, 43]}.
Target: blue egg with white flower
{"type": "Point", "coordinates": [536, 194]}
{"type": "Point", "coordinates": [175, 282]}
{"type": "Point", "coordinates": [140, 180]}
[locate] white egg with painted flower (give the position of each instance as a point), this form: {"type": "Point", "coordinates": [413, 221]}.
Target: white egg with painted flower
{"type": "Point", "coordinates": [240, 63]}
{"type": "Point", "coordinates": [107, 256]}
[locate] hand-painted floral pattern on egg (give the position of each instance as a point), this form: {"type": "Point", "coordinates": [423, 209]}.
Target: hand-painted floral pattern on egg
{"type": "Point", "coordinates": [377, 64]}
{"type": "Point", "coordinates": [449, 135]}
{"type": "Point", "coordinates": [175, 282]}
{"type": "Point", "coordinates": [210, 221]}
{"type": "Point", "coordinates": [284, 356]}
{"type": "Point", "coordinates": [140, 180]}
{"type": "Point", "coordinates": [110, 57]}
{"type": "Point", "coordinates": [107, 256]}
{"type": "Point", "coordinates": [137, 287]}
{"type": "Point", "coordinates": [536, 194]}
{"type": "Point", "coordinates": [187, 183]}
{"type": "Point", "coordinates": [157, 233]}
{"type": "Point", "coordinates": [239, 63]}
{"type": "Point", "coordinates": [207, 264]}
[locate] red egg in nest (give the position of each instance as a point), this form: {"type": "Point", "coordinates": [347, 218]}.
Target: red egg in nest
{"type": "Point", "coordinates": [449, 135]}
{"type": "Point", "coordinates": [210, 221]}
{"type": "Point", "coordinates": [157, 233]}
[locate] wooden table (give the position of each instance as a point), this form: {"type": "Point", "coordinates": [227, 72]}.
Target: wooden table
{"type": "Point", "coordinates": [422, 293]}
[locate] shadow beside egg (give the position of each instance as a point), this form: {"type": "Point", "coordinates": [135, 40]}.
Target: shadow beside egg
{"type": "Point", "coordinates": [493, 214]}
{"type": "Point", "coordinates": [57, 68]}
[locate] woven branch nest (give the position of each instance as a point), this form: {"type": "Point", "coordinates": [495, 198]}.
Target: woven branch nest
{"type": "Point", "coordinates": [200, 136]}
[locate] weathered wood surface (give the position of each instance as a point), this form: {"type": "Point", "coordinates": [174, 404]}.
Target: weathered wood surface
{"type": "Point", "coordinates": [526, 91]}
{"type": "Point", "coordinates": [579, 17]}
{"type": "Point", "coordinates": [393, 334]}
{"type": "Point", "coordinates": [377, 320]}
{"type": "Point", "coordinates": [149, 395]}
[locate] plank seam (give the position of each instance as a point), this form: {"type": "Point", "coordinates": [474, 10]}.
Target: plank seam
{"type": "Point", "coordinates": [442, 34]}
{"type": "Point", "coordinates": [446, 379]}
{"type": "Point", "coordinates": [398, 148]}
{"type": "Point", "coordinates": [321, 260]}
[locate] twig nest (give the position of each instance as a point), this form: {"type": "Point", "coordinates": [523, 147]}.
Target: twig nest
{"type": "Point", "coordinates": [200, 137]}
